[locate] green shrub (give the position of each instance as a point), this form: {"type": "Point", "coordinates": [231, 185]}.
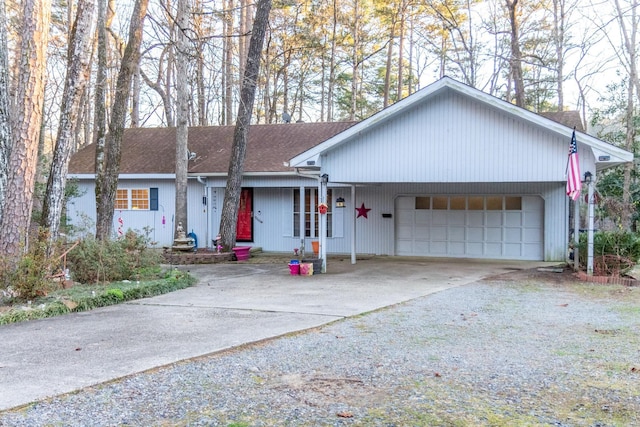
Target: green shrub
{"type": "Point", "coordinates": [127, 258]}
{"type": "Point", "coordinates": [29, 278]}
{"type": "Point", "coordinates": [614, 246]}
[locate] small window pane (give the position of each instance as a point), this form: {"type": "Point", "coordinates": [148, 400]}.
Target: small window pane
{"type": "Point", "coordinates": [140, 198]}
{"type": "Point", "coordinates": [513, 203]}
{"type": "Point", "coordinates": [423, 202]}
{"type": "Point", "coordinates": [440, 202]}
{"type": "Point", "coordinates": [122, 199]}
{"type": "Point", "coordinates": [476, 203]}
{"type": "Point", "coordinates": [494, 203]}
{"type": "Point", "coordinates": [458, 203]}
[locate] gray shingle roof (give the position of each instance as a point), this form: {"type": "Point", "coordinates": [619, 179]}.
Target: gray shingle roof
{"type": "Point", "coordinates": [152, 150]}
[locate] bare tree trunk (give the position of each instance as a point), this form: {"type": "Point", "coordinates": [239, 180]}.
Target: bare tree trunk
{"type": "Point", "coordinates": [26, 128]}
{"type": "Point", "coordinates": [135, 99]}
{"type": "Point", "coordinates": [229, 219]}
{"type": "Point", "coordinates": [516, 55]}
{"type": "Point", "coordinates": [182, 112]}
{"type": "Point", "coordinates": [130, 60]}
{"type": "Point", "coordinates": [387, 73]}
{"type": "Point", "coordinates": [5, 119]}
{"type": "Point", "coordinates": [332, 63]}
{"type": "Point", "coordinates": [403, 7]}
{"type": "Point", "coordinates": [354, 58]}
{"type": "Point", "coordinates": [100, 108]}
{"type": "Point", "coordinates": [78, 62]}
{"type": "Point", "coordinates": [558, 32]}
{"type": "Point", "coordinates": [228, 65]}
{"type": "Point", "coordinates": [631, 48]}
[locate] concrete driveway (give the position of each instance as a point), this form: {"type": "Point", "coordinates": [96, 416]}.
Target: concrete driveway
{"type": "Point", "coordinates": [232, 304]}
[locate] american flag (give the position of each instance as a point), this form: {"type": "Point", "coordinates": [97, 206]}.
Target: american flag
{"type": "Point", "coordinates": [574, 183]}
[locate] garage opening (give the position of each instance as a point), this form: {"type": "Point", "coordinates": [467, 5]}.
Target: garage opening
{"type": "Point", "coordinates": [488, 226]}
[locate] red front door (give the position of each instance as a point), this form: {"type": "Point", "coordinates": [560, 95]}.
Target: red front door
{"type": "Point", "coordinates": [244, 230]}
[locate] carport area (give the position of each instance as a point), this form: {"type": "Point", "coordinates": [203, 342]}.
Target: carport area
{"type": "Point", "coordinates": [232, 305]}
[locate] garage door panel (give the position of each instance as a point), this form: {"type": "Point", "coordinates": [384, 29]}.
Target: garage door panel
{"type": "Point", "coordinates": [532, 219]}
{"type": "Point", "coordinates": [405, 217]}
{"type": "Point", "coordinates": [423, 217]}
{"type": "Point", "coordinates": [494, 219]}
{"type": "Point", "coordinates": [422, 233]}
{"type": "Point", "coordinates": [438, 233]}
{"type": "Point", "coordinates": [404, 247]}
{"type": "Point", "coordinates": [406, 202]}
{"type": "Point", "coordinates": [513, 219]}
{"type": "Point", "coordinates": [456, 233]}
{"type": "Point", "coordinates": [456, 218]}
{"type": "Point", "coordinates": [532, 203]}
{"type": "Point", "coordinates": [475, 249]}
{"type": "Point", "coordinates": [475, 234]}
{"type": "Point", "coordinates": [475, 218]}
{"type": "Point", "coordinates": [513, 235]}
{"type": "Point", "coordinates": [532, 251]}
{"type": "Point", "coordinates": [494, 235]}
{"type": "Point", "coordinates": [532, 235]}
{"type": "Point", "coordinates": [493, 249]}
{"type": "Point", "coordinates": [457, 248]}
{"type": "Point", "coordinates": [438, 248]}
{"type": "Point", "coordinates": [513, 249]}
{"type": "Point", "coordinates": [421, 247]}
{"type": "Point", "coordinates": [439, 218]}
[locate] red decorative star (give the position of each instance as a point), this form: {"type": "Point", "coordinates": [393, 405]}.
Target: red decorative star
{"type": "Point", "coordinates": [362, 211]}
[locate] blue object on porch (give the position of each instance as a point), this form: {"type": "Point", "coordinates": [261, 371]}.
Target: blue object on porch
{"type": "Point", "coordinates": [195, 239]}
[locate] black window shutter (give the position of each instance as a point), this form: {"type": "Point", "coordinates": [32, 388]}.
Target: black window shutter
{"type": "Point", "coordinates": [153, 199]}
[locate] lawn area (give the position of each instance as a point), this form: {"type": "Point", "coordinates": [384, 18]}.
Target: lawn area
{"type": "Point", "coordinates": [86, 297]}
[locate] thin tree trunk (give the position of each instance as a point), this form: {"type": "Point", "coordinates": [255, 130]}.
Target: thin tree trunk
{"type": "Point", "coordinates": [26, 128]}
{"type": "Point", "coordinates": [182, 113]}
{"type": "Point", "coordinates": [401, 50]}
{"type": "Point", "coordinates": [228, 62]}
{"type": "Point", "coordinates": [229, 219]}
{"type": "Point", "coordinates": [387, 73]}
{"type": "Point", "coordinates": [100, 108]}
{"type": "Point", "coordinates": [5, 119]}
{"type": "Point", "coordinates": [78, 62]}
{"type": "Point", "coordinates": [516, 55]}
{"type": "Point", "coordinates": [130, 60]}
{"type": "Point", "coordinates": [354, 59]}
{"type": "Point", "coordinates": [332, 63]}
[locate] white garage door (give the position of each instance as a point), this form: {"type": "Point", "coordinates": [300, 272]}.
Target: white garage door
{"type": "Point", "coordinates": [503, 227]}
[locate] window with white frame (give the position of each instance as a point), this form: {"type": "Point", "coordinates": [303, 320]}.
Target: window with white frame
{"type": "Point", "coordinates": [136, 199]}
{"type": "Point", "coordinates": [311, 216]}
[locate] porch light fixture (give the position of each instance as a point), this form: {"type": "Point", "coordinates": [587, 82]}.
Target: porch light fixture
{"type": "Point", "coordinates": [340, 202]}
{"type": "Point", "coordinates": [587, 177]}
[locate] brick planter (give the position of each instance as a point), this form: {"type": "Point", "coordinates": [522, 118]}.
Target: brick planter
{"type": "Point", "coordinates": [199, 257]}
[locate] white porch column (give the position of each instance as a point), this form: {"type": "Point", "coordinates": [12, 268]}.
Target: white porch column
{"type": "Point", "coordinates": [322, 223]}
{"type": "Point", "coordinates": [353, 224]}
{"type": "Point", "coordinates": [301, 221]}
{"type": "Point", "coordinates": [591, 184]}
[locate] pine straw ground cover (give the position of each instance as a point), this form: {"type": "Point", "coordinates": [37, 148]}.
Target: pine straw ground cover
{"type": "Point", "coordinates": [527, 349]}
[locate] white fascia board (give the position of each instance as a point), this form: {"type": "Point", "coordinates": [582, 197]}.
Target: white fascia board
{"type": "Point", "coordinates": [83, 176]}
{"type": "Point", "coordinates": [224, 175]}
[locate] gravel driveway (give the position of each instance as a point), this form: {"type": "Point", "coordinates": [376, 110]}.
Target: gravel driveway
{"type": "Point", "coordinates": [522, 349]}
